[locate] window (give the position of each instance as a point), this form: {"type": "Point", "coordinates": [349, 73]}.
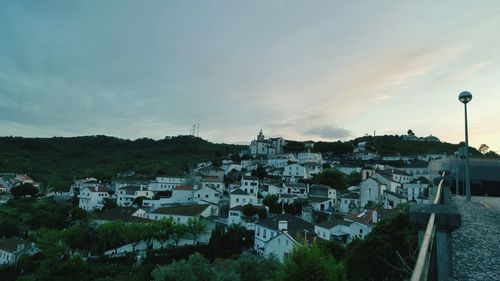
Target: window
{"type": "Point", "coordinates": [360, 231]}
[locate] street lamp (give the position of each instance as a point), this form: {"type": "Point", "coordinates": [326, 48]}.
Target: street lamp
{"type": "Point", "coordinates": [466, 97]}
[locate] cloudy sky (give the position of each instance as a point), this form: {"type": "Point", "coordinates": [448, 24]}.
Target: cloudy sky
{"type": "Point", "coordinates": [320, 70]}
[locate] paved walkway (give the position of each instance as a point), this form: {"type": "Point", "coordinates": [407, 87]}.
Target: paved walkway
{"type": "Point", "coordinates": [476, 244]}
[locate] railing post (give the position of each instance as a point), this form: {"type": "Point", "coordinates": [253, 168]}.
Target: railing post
{"type": "Point", "coordinates": [447, 219]}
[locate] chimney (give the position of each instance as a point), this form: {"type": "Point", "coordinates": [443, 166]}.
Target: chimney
{"type": "Point", "coordinates": [375, 217]}
{"type": "Point", "coordinates": [283, 225]}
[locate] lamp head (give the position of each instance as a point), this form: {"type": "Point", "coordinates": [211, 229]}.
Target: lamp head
{"type": "Point", "coordinates": [465, 97]}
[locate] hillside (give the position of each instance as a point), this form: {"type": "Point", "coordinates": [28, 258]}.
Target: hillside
{"type": "Point", "coordinates": [57, 161]}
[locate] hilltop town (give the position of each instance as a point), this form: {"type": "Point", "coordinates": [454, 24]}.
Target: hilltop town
{"type": "Point", "coordinates": [278, 195]}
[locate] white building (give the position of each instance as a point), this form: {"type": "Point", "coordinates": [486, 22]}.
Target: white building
{"type": "Point", "coordinates": [183, 194]}
{"type": "Point", "coordinates": [92, 198]}
{"type": "Point", "coordinates": [387, 180]}
{"type": "Point", "coordinates": [238, 197]}
{"type": "Point", "coordinates": [393, 199]}
{"type": "Point", "coordinates": [164, 183]}
{"type": "Point", "coordinates": [236, 216]}
{"type": "Point", "coordinates": [250, 184]}
{"type": "Point", "coordinates": [280, 246]}
{"type": "Point", "coordinates": [335, 230]}
{"type": "Point", "coordinates": [207, 195]}
{"type": "Point", "coordinates": [296, 189]}
{"type": "Point", "coordinates": [371, 190]}
{"type": "Point", "coordinates": [126, 195]}
{"type": "Point", "coordinates": [263, 146]}
{"type": "Point", "coordinates": [278, 161]}
{"type": "Point", "coordinates": [305, 157]}
{"type": "Point", "coordinates": [213, 182]}
{"type": "Point", "coordinates": [272, 227]}
{"type": "Point", "coordinates": [319, 190]}
{"type": "Point", "coordinates": [415, 189]}
{"type": "Point", "coordinates": [79, 185]}
{"type": "Point", "coordinates": [313, 168]}
{"type": "Point", "coordinates": [347, 170]}
{"type": "Point", "coordinates": [182, 213]}
{"type": "Point", "coordinates": [349, 202]}
{"type": "Point", "coordinates": [294, 172]}
{"type": "Point", "coordinates": [11, 249]}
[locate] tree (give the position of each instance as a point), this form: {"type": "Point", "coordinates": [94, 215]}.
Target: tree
{"type": "Point", "coordinates": [133, 233]}
{"type": "Point", "coordinates": [309, 263]}
{"type": "Point", "coordinates": [196, 226]}
{"type": "Point", "coordinates": [196, 268]}
{"type": "Point", "coordinates": [248, 263]}
{"type": "Point", "coordinates": [109, 204]}
{"type": "Point", "coordinates": [180, 230]}
{"type": "Point", "coordinates": [271, 201]}
{"type": "Point", "coordinates": [110, 234]}
{"type": "Point", "coordinates": [386, 253]}
{"type": "Point", "coordinates": [483, 148]}
{"type": "Point", "coordinates": [262, 214]}
{"type": "Point", "coordinates": [22, 190]}
{"type": "Point", "coordinates": [331, 178]}
{"type": "Point", "coordinates": [410, 132]}
{"type": "Point", "coordinates": [260, 172]}
{"type": "Point", "coordinates": [164, 230]}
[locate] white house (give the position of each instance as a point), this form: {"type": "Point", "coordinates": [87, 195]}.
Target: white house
{"type": "Point", "coordinates": [363, 223]}
{"type": "Point", "coordinates": [401, 176]}
{"type": "Point", "coordinates": [213, 182]}
{"type": "Point", "coordinates": [321, 203]}
{"type": "Point", "coordinates": [347, 170]}
{"type": "Point", "coordinates": [164, 183]}
{"type": "Point", "coordinates": [92, 198]}
{"type": "Point", "coordinates": [250, 184]}
{"type": "Point", "coordinates": [364, 155]}
{"type": "Point", "coordinates": [79, 185]}
{"type": "Point", "coordinates": [239, 197]}
{"type": "Point", "coordinates": [386, 179]}
{"type": "Point", "coordinates": [278, 161]}
{"type": "Point", "coordinates": [393, 199]}
{"type": "Point", "coordinates": [207, 195]}
{"type": "Point", "coordinates": [312, 168]}
{"type": "Point", "coordinates": [126, 195]}
{"type": "Point", "coordinates": [271, 227]}
{"type": "Point", "coordinates": [183, 194]}
{"type": "Point", "coordinates": [414, 189]}
{"type": "Point", "coordinates": [417, 169]}
{"type": "Point", "coordinates": [212, 171]}
{"type": "Point", "coordinates": [236, 216]}
{"type": "Point", "coordinates": [182, 213]}
{"type": "Point", "coordinates": [123, 214]}
{"type": "Point", "coordinates": [270, 189]}
{"type": "Point", "coordinates": [294, 172]}
{"type": "Point", "coordinates": [371, 190]}
{"type": "Point", "coordinates": [12, 248]}
{"type": "Point", "coordinates": [280, 246]}
{"type": "Point", "coordinates": [305, 157]}
{"type": "Point", "coordinates": [319, 190]}
{"type": "Point", "coordinates": [335, 230]}
{"type": "Point", "coordinates": [349, 202]}
{"type": "Point", "coordinates": [296, 189]}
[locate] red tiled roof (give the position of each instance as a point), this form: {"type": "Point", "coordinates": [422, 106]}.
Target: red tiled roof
{"type": "Point", "coordinates": [184, 187]}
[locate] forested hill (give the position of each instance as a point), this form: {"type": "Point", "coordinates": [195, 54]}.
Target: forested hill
{"type": "Point", "coordinates": [57, 161]}
{"type": "Point", "coordinates": [384, 145]}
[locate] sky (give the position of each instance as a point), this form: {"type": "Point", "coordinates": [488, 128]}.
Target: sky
{"type": "Point", "coordinates": [304, 70]}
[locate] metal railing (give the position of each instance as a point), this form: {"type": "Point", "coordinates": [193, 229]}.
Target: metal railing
{"type": "Point", "coordinates": [421, 271]}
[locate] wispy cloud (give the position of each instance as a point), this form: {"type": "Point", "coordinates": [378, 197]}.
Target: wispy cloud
{"type": "Point", "coordinates": [329, 132]}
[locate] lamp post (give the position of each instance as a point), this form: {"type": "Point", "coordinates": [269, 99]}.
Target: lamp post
{"type": "Point", "coordinates": [466, 97]}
